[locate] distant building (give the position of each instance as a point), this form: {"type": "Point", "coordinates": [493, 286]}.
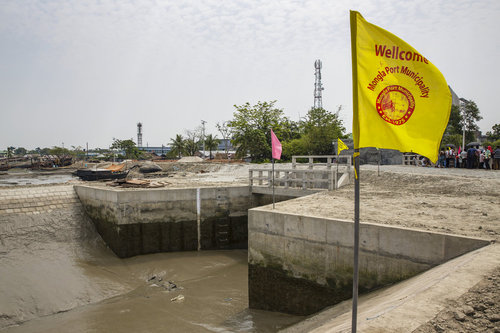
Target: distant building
{"type": "Point", "coordinates": [455, 100]}
{"type": "Point", "coordinates": [162, 150]}
{"type": "Point", "coordinates": [223, 143]}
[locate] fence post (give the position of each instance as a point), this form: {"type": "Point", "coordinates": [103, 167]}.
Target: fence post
{"type": "Point", "coordinates": [269, 178]}
{"type": "Point", "coordinates": [250, 177]}
{"type": "Point", "coordinates": [260, 177]}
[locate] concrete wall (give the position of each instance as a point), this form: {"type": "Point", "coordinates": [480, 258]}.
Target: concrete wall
{"type": "Point", "coordinates": [144, 221]}
{"type": "Point", "coordinates": [300, 264]}
{"type": "Point", "coordinates": [40, 213]}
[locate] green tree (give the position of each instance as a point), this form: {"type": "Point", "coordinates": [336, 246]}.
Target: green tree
{"type": "Point", "coordinates": [319, 129]}
{"type": "Point", "coordinates": [454, 129]}
{"type": "Point", "coordinates": [10, 151]}
{"type": "Point", "coordinates": [45, 151]}
{"type": "Point", "coordinates": [225, 131]}
{"type": "Point", "coordinates": [211, 143]}
{"type": "Point", "coordinates": [128, 146]}
{"type": "Point", "coordinates": [20, 151]}
{"type": "Point", "coordinates": [455, 139]}
{"type": "Point", "coordinates": [177, 145]}
{"type": "Point", "coordinates": [191, 146]}
{"type": "Point", "coordinates": [455, 122]}
{"type": "Point", "coordinates": [470, 115]}
{"type": "Point", "coordinates": [494, 134]}
{"type": "Point", "coordinates": [251, 128]}
{"type": "Point", "coordinates": [59, 151]}
{"type": "Point", "coordinates": [78, 152]}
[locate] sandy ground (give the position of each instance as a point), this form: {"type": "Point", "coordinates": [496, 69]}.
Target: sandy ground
{"type": "Point", "coordinates": [457, 201]}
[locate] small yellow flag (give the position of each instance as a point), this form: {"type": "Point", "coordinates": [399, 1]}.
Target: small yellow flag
{"type": "Point", "coordinates": [341, 146]}
{"type": "Point", "coordinates": [401, 100]}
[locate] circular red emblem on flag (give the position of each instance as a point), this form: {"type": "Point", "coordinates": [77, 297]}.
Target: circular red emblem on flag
{"type": "Point", "coordinates": [395, 104]}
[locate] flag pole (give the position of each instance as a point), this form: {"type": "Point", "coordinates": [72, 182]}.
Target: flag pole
{"type": "Point", "coordinates": [274, 201]}
{"type": "Point", "coordinates": [355, 132]}
{"type": "Point", "coordinates": [355, 278]}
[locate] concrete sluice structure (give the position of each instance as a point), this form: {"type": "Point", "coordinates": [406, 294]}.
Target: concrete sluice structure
{"type": "Point", "coordinates": [165, 220]}
{"type": "Point", "coordinates": [58, 275]}
{"type": "Point", "coordinates": [52, 260]}
{"type": "Point", "coordinates": [300, 264]}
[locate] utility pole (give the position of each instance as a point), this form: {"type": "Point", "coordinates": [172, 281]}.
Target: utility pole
{"type": "Point", "coordinates": [203, 122]}
{"type": "Point", "coordinates": [462, 112]}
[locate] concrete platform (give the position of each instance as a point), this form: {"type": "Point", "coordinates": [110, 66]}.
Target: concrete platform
{"type": "Point", "coordinates": [411, 303]}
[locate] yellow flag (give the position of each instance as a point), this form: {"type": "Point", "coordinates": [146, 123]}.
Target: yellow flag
{"type": "Point", "coordinates": [401, 100]}
{"type": "Point", "coordinates": [341, 146]}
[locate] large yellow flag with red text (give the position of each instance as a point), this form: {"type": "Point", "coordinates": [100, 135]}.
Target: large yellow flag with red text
{"type": "Point", "coordinates": [401, 100]}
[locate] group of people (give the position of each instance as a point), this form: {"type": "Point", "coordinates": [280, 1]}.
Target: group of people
{"type": "Point", "coordinates": [472, 158]}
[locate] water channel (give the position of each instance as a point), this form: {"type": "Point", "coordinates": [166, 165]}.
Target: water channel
{"type": "Point", "coordinates": [58, 275]}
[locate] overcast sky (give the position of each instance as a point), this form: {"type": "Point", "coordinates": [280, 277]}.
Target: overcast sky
{"type": "Point", "coordinates": [74, 72]}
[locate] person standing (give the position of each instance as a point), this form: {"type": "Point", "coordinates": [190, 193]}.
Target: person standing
{"type": "Point", "coordinates": [471, 155]}
{"type": "Point", "coordinates": [496, 158]}
{"type": "Point", "coordinates": [441, 159]}
{"type": "Point", "coordinates": [476, 159]}
{"type": "Point", "coordinates": [448, 156]}
{"type": "Point", "coordinates": [487, 157]}
{"type": "Point", "coordinates": [463, 155]}
{"type": "Point", "coordinates": [481, 159]}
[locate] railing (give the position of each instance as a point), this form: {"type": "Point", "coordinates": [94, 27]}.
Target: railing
{"type": "Point", "coordinates": [412, 159]}
{"type": "Point", "coordinates": [331, 160]}
{"type": "Point", "coordinates": [295, 178]}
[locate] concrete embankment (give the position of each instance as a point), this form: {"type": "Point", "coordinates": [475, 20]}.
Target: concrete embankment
{"type": "Point", "coordinates": [406, 306]}
{"type": "Point", "coordinates": [300, 264]}
{"type": "Point", "coordinates": [134, 222]}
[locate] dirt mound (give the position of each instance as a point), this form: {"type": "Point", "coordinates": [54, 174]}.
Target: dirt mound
{"type": "Point", "coordinates": [191, 159]}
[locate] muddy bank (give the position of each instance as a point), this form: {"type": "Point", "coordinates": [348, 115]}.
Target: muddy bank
{"type": "Point", "coordinates": [23, 177]}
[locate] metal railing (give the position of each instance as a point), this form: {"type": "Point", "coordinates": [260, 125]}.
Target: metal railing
{"type": "Point", "coordinates": [295, 178]}
{"type": "Point", "coordinates": [411, 159]}
{"type": "Point", "coordinates": [331, 160]}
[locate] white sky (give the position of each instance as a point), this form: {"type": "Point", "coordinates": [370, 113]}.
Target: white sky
{"type": "Point", "coordinates": [86, 71]}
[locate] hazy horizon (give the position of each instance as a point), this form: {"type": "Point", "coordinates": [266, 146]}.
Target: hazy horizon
{"type": "Point", "coordinates": [78, 72]}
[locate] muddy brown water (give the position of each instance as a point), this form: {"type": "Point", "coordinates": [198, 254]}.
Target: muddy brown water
{"type": "Point", "coordinates": [57, 275]}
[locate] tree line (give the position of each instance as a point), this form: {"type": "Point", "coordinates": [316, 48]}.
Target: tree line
{"type": "Point", "coordinates": [250, 128]}
{"type": "Point", "coordinates": [463, 120]}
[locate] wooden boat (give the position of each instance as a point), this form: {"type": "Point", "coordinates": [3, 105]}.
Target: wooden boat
{"type": "Point", "coordinates": [111, 172]}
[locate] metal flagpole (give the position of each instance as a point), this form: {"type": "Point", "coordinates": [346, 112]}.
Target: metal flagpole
{"type": "Point", "coordinates": [355, 277]}
{"type": "Point", "coordinates": [378, 164]}
{"type": "Point", "coordinates": [273, 182]}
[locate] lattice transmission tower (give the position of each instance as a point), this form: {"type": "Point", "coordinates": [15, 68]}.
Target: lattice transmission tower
{"type": "Point", "coordinates": [318, 86]}
{"type": "Point", "coordinates": [139, 134]}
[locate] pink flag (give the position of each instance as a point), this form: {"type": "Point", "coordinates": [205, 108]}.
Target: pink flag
{"type": "Point", "coordinates": [276, 146]}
